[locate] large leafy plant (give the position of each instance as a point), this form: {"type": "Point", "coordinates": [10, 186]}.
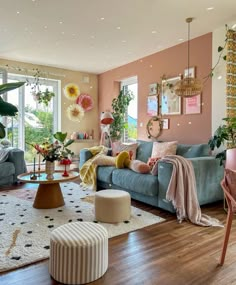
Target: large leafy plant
{"type": "Point", "coordinates": [225, 133]}
{"type": "Point", "coordinates": [7, 109]}
{"type": "Point", "coordinates": [119, 106]}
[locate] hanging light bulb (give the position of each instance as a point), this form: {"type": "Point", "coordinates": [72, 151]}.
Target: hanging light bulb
{"type": "Point", "coordinates": [188, 86]}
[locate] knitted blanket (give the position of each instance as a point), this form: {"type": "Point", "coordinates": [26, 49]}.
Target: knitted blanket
{"type": "Point", "coordinates": [182, 192]}
{"type": "Point", "coordinates": [88, 172]}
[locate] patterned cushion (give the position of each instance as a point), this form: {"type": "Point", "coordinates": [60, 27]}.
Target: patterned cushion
{"type": "Point", "coordinates": [161, 149]}
{"type": "Point", "coordinates": [117, 147]}
{"type": "Point", "coordinates": [152, 161]}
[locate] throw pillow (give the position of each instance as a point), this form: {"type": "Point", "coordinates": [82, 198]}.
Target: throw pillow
{"type": "Point", "coordinates": [139, 166]}
{"type": "Point", "coordinates": [161, 149]}
{"type": "Point", "coordinates": [152, 161]}
{"type": "Point", "coordinates": [117, 147]}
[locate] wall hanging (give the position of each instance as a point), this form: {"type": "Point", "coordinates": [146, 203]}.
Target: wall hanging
{"type": "Point", "coordinates": [71, 91]}
{"type": "Point", "coordinates": [85, 101]}
{"type": "Point", "coordinates": [75, 112]}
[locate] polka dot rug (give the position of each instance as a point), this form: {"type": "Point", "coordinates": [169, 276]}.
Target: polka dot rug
{"type": "Point", "coordinates": [25, 231]}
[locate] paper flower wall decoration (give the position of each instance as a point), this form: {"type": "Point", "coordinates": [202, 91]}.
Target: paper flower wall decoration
{"type": "Point", "coordinates": [75, 112]}
{"type": "Point", "coordinates": [71, 91]}
{"type": "Point", "coordinates": [85, 101]}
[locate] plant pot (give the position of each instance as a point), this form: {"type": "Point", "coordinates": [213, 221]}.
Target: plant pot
{"type": "Point", "coordinates": [49, 169]}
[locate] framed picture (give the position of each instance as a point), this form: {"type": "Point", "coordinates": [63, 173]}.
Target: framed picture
{"type": "Point", "coordinates": [153, 89]}
{"type": "Point", "coordinates": [165, 124]}
{"type": "Point", "coordinates": [170, 103]}
{"type": "Point", "coordinates": [152, 105]}
{"type": "Point", "coordinates": [193, 105]}
{"type": "Point", "coordinates": [189, 71]}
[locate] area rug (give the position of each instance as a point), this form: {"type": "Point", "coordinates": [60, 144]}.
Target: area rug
{"type": "Point", "coordinates": [25, 231]}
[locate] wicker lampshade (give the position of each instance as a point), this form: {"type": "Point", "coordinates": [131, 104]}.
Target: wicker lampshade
{"type": "Point", "coordinates": [188, 87]}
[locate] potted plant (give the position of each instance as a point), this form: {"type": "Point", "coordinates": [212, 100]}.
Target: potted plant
{"type": "Point", "coordinates": [119, 106]}
{"type": "Point", "coordinates": [225, 133]}
{"type": "Point", "coordinates": [7, 109]}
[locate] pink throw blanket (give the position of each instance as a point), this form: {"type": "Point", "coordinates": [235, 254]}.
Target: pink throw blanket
{"type": "Point", "coordinates": [182, 192]}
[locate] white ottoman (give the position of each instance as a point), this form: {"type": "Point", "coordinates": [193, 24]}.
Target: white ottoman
{"type": "Point", "coordinates": [112, 206]}
{"type": "Point", "coordinates": [78, 252]}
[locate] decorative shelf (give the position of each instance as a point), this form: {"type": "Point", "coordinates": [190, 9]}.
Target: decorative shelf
{"type": "Point", "coordinates": [85, 140]}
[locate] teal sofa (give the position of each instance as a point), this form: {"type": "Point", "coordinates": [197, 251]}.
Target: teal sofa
{"type": "Point", "coordinates": [11, 165]}
{"type": "Point", "coordinates": [152, 189]}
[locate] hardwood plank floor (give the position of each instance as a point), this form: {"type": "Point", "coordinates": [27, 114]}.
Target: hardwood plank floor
{"type": "Point", "coordinates": [167, 253]}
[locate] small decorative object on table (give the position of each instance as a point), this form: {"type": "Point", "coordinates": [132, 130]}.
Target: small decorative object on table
{"type": "Point", "coordinates": [53, 151]}
{"type": "Point", "coordinates": [66, 161]}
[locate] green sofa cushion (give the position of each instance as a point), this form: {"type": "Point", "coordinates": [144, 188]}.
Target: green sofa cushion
{"type": "Point", "coordinates": [146, 184]}
{"type": "Point", "coordinates": [194, 150]}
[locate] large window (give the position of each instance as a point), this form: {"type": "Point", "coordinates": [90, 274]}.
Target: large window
{"type": "Point", "coordinates": [131, 84]}
{"type": "Point", "coordinates": [35, 121]}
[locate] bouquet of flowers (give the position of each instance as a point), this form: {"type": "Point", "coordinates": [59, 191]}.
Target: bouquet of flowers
{"type": "Point", "coordinates": [54, 151]}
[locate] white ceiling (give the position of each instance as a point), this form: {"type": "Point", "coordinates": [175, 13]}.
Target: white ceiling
{"type": "Point", "coordinates": [98, 35]}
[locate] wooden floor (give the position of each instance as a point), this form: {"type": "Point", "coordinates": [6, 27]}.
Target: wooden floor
{"type": "Point", "coordinates": [167, 253]}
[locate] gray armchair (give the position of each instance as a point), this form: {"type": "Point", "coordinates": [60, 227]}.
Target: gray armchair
{"type": "Point", "coordinates": [12, 165]}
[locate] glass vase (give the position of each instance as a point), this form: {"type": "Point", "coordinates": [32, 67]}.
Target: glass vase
{"type": "Point", "coordinates": [49, 169]}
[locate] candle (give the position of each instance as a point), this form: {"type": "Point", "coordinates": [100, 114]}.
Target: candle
{"type": "Point", "coordinates": [34, 165]}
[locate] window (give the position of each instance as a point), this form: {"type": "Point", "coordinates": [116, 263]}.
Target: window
{"type": "Point", "coordinates": [131, 84]}
{"type": "Point", "coordinates": [35, 122]}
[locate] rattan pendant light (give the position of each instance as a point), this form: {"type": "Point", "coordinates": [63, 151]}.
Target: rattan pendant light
{"type": "Point", "coordinates": [188, 86]}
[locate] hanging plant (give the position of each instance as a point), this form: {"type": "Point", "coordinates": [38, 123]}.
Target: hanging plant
{"type": "Point", "coordinates": [39, 96]}
{"type": "Point", "coordinates": [85, 101]}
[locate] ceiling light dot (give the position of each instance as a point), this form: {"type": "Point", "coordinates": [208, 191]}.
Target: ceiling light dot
{"type": "Point", "coordinates": [234, 26]}
{"type": "Point", "coordinates": [118, 28]}
{"type": "Point", "coordinates": [181, 39]}
{"type": "Point", "coordinates": [60, 22]}
{"type": "Point", "coordinates": [219, 77]}
{"type": "Point", "coordinates": [123, 41]}
{"type": "Point", "coordinates": [91, 87]}
{"type": "Point", "coordinates": [178, 124]}
{"type": "Point", "coordinates": [45, 27]}
{"type": "Point", "coordinates": [190, 123]}
{"type": "Point", "coordinates": [18, 12]}
{"type": "Point", "coordinates": [102, 18]}
{"type": "Point", "coordinates": [62, 33]}
{"type": "Point", "coordinates": [210, 8]}
{"type": "Point", "coordinates": [92, 37]}
{"type": "Point", "coordinates": [154, 32]}
{"type": "Point", "coordinates": [150, 65]}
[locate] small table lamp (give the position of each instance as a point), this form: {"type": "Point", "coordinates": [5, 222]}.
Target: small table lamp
{"type": "Point", "coordinates": [65, 161]}
{"type": "Point", "coordinates": [106, 120]}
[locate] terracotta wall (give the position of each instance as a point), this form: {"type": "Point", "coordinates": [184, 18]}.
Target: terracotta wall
{"type": "Point", "coordinates": [89, 121]}
{"type": "Point", "coordinates": [170, 62]}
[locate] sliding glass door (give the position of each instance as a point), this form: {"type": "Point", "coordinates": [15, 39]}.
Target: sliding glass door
{"type": "Point", "coordinates": [35, 121]}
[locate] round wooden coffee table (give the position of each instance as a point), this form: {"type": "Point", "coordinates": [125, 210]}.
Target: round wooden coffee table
{"type": "Point", "coordinates": [49, 193]}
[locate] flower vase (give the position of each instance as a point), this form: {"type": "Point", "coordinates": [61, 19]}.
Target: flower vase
{"type": "Point", "coordinates": [49, 169]}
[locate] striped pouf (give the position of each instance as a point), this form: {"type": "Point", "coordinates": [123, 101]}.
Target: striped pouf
{"type": "Point", "coordinates": [78, 252]}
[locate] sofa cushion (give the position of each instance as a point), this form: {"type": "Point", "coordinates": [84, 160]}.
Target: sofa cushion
{"type": "Point", "coordinates": [193, 150]}
{"type": "Point", "coordinates": [161, 149]}
{"type": "Point", "coordinates": [117, 147]}
{"type": "Point", "coordinates": [144, 150]}
{"type": "Point", "coordinates": [104, 173]}
{"type": "Point", "coordinates": [7, 169]}
{"type": "Point", "coordinates": [141, 183]}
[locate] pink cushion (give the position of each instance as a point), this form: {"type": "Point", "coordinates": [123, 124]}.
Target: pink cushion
{"type": "Point", "coordinates": [161, 149]}
{"type": "Point", "coordinates": [152, 161]}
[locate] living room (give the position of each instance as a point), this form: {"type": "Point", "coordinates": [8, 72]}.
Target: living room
{"type": "Point", "coordinates": [190, 251]}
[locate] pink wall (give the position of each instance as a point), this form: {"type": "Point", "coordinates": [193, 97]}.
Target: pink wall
{"type": "Point", "coordinates": [194, 128]}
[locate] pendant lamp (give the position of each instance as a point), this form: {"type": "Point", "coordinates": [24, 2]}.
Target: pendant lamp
{"type": "Point", "coordinates": [188, 86]}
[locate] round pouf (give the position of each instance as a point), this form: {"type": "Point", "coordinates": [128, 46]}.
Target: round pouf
{"type": "Point", "coordinates": [78, 252]}
{"type": "Point", "coordinates": [112, 206]}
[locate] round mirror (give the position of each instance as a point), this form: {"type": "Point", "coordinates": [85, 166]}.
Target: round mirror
{"type": "Point", "coordinates": [154, 127]}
